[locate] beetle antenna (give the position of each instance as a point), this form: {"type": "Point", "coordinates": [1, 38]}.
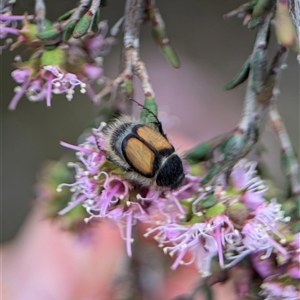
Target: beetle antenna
{"type": "Point", "coordinates": [158, 123]}
{"type": "Point", "coordinates": [147, 109]}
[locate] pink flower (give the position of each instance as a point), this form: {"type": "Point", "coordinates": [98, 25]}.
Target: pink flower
{"type": "Point", "coordinates": [264, 266]}
{"type": "Point", "coordinates": [244, 177]}
{"type": "Point", "coordinates": [221, 226]}
{"type": "Point", "coordinates": [279, 291]}
{"type": "Point", "coordinates": [50, 80]}
{"type": "Point", "coordinates": [183, 239]}
{"type": "Point", "coordinates": [8, 23]}
{"type": "Point", "coordinates": [260, 232]}
{"type": "Point", "coordinates": [97, 44]}
{"type": "Point", "coordinates": [126, 217]}
{"type": "Point", "coordinates": [59, 70]}
{"type": "Point", "coordinates": [88, 174]}
{"type": "Point", "coordinates": [189, 187]}
{"type": "Point", "coordinates": [294, 268]}
{"type": "Point", "coordinates": [59, 82]}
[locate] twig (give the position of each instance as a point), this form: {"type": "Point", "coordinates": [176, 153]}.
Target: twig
{"type": "Point", "coordinates": [294, 6]}
{"type": "Point", "coordinates": [133, 65]}
{"type": "Point", "coordinates": [267, 101]}
{"type": "Point", "coordinates": [141, 276]}
{"type": "Point", "coordinates": [94, 6]}
{"type": "Point", "coordinates": [40, 14]}
{"type": "Point", "coordinates": [5, 3]}
{"type": "Point", "coordinates": [250, 99]}
{"type": "Point", "coordinates": [93, 10]}
{"type": "Point", "coordinates": [2, 4]}
{"type": "Point", "coordinates": [81, 10]}
{"type": "Point", "coordinates": [293, 171]}
{"type": "Point", "coordinates": [133, 16]}
{"type": "Point", "coordinates": [240, 11]}
{"type": "Point", "coordinates": [270, 91]}
{"type": "Point", "coordinates": [246, 134]}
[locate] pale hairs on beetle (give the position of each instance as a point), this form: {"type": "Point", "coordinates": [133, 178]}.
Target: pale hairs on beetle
{"type": "Point", "coordinates": [143, 151]}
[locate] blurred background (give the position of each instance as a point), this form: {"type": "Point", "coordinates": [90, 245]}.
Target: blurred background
{"type": "Point", "coordinates": [211, 52]}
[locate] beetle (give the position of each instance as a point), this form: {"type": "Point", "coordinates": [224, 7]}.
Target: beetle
{"type": "Point", "coordinates": [143, 151]}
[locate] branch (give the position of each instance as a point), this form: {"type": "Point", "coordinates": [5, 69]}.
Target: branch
{"type": "Point", "coordinates": [6, 3]}
{"type": "Point", "coordinates": [250, 99]}
{"type": "Point", "coordinates": [270, 91]}
{"type": "Point", "coordinates": [133, 65]}
{"type": "Point", "coordinates": [294, 7]}
{"type": "Point", "coordinates": [81, 10]}
{"type": "Point", "coordinates": [40, 14]}
{"type": "Point", "coordinates": [292, 168]}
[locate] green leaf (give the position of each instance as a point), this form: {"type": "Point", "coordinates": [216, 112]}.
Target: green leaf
{"type": "Point", "coordinates": [160, 37]}
{"type": "Point", "coordinates": [83, 25]}
{"type": "Point", "coordinates": [262, 7]}
{"type": "Point", "coordinates": [210, 201]}
{"type": "Point", "coordinates": [150, 107]}
{"type": "Point", "coordinates": [255, 22]}
{"type": "Point", "coordinates": [240, 77]}
{"type": "Point", "coordinates": [96, 21]}
{"type": "Point", "coordinates": [171, 56]}
{"type": "Point", "coordinates": [259, 69]}
{"type": "Point", "coordinates": [203, 151]}
{"type": "Point", "coordinates": [66, 15]}
{"type": "Point", "coordinates": [49, 34]}
{"type": "Point", "coordinates": [248, 7]}
{"type": "Point", "coordinates": [216, 210]}
{"type": "Point", "coordinates": [68, 31]}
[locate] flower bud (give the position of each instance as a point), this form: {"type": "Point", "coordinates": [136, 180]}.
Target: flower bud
{"type": "Point", "coordinates": [284, 27]}
{"type": "Point", "coordinates": [55, 57]}
{"type": "Point", "coordinates": [29, 32]}
{"type": "Point", "coordinates": [238, 213]}
{"type": "Point", "coordinates": [66, 15]}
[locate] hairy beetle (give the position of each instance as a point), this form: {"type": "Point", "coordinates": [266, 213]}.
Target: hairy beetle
{"type": "Point", "coordinates": [143, 151]}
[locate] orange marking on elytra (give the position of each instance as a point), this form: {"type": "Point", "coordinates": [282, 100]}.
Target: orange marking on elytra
{"type": "Point", "coordinates": [154, 138]}
{"type": "Point", "coordinates": [140, 156]}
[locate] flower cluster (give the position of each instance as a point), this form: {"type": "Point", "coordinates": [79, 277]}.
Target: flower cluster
{"type": "Point", "coordinates": [219, 236]}
{"type": "Point", "coordinates": [229, 222]}
{"type": "Point", "coordinates": [101, 188]}
{"type": "Point", "coordinates": [278, 291]}
{"type": "Point", "coordinates": [8, 23]}
{"type": "Point", "coordinates": [54, 66]}
{"type": "Point", "coordinates": [280, 282]}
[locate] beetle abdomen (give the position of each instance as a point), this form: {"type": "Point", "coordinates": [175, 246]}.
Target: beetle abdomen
{"type": "Point", "coordinates": [171, 173]}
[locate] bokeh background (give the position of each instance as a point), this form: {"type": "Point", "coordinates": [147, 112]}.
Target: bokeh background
{"type": "Point", "coordinates": [211, 51]}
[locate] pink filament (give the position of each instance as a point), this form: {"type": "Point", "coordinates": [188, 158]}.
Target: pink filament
{"type": "Point", "coordinates": [15, 100]}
